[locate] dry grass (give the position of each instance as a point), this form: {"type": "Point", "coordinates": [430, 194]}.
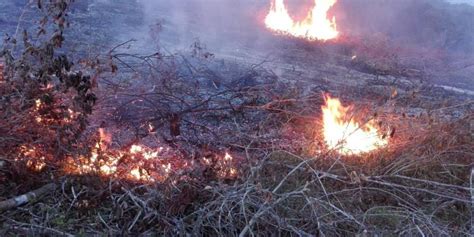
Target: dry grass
{"type": "Point", "coordinates": [421, 188]}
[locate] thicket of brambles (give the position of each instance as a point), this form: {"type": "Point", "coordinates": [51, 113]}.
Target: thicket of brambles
{"type": "Point", "coordinates": [281, 179]}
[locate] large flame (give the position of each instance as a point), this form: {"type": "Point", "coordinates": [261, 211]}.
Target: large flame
{"type": "Point", "coordinates": [346, 135]}
{"type": "Point", "coordinates": [316, 25]}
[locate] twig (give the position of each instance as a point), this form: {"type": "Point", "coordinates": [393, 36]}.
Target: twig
{"type": "Point", "coordinates": [18, 26]}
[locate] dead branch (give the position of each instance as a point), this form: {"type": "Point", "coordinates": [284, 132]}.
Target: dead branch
{"type": "Point", "coordinates": [26, 198]}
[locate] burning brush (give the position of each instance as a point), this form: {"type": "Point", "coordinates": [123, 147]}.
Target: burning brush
{"type": "Point", "coordinates": [343, 134]}
{"type": "Point", "coordinates": [141, 163]}
{"type": "Point", "coordinates": [316, 25]}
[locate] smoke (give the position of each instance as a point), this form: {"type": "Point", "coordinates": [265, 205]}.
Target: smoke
{"type": "Point", "coordinates": [219, 24]}
{"type": "Point", "coordinates": [431, 34]}
{"type": "Point", "coordinates": [419, 23]}
{"type": "Point", "coordinates": [229, 25]}
{"type": "Point", "coordinates": [237, 25]}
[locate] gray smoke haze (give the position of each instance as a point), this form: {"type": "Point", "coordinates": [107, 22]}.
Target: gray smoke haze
{"type": "Point", "coordinates": [434, 35]}
{"type": "Point", "coordinates": [229, 24]}
{"type": "Point", "coordinates": [221, 25]}
{"type": "Point", "coordinates": [234, 28]}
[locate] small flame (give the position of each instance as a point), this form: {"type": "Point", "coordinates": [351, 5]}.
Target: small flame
{"type": "Point", "coordinates": [135, 149]}
{"type": "Point", "coordinates": [167, 168]}
{"type": "Point", "coordinates": [37, 164]}
{"type": "Point", "coordinates": [33, 156]}
{"type": "Point", "coordinates": [228, 157]}
{"type": "Point", "coordinates": [345, 135]}
{"type": "Point", "coordinates": [146, 153]}
{"type": "Point", "coordinates": [226, 167]}
{"type": "Point", "coordinates": [137, 163]}
{"type": "Point", "coordinates": [140, 174]}
{"type": "Point", "coordinates": [38, 104]}
{"type": "Point", "coordinates": [151, 128]}
{"type": "Point", "coordinates": [316, 25]}
{"type": "Point", "coordinates": [105, 139]}
{"type": "Point", "coordinates": [46, 115]}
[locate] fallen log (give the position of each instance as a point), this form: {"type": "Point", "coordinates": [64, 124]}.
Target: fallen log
{"type": "Point", "coordinates": [26, 198]}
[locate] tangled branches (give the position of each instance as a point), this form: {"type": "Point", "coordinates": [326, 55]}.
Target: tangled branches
{"type": "Point", "coordinates": [45, 99]}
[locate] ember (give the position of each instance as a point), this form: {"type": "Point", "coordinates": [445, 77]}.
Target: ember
{"type": "Point", "coordinates": [141, 163]}
{"type": "Point", "coordinates": [316, 25]}
{"type": "Point", "coordinates": [343, 134]}
{"type": "Point", "coordinates": [32, 156]}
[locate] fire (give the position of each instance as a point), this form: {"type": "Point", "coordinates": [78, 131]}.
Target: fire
{"type": "Point", "coordinates": [38, 104]}
{"type": "Point", "coordinates": [33, 157]}
{"type": "Point", "coordinates": [104, 139]}
{"type": "Point", "coordinates": [316, 25]}
{"type": "Point", "coordinates": [46, 115]}
{"type": "Point", "coordinates": [225, 167]}
{"type": "Point", "coordinates": [140, 174]}
{"type": "Point", "coordinates": [346, 135]}
{"type": "Point", "coordinates": [137, 162]}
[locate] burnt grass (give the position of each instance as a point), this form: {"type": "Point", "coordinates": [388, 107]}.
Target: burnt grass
{"type": "Point", "coordinates": [267, 113]}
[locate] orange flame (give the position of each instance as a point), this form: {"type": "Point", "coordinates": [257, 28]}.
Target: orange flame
{"type": "Point", "coordinates": [143, 162]}
{"type": "Point", "coordinates": [105, 139]}
{"type": "Point", "coordinates": [316, 25]}
{"type": "Point", "coordinates": [33, 156]}
{"type": "Point", "coordinates": [138, 162]}
{"type": "Point", "coordinates": [347, 136]}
